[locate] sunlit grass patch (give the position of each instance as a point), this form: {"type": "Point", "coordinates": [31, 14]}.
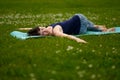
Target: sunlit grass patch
{"type": "Point", "coordinates": [33, 19]}
{"type": "Point", "coordinates": [47, 19]}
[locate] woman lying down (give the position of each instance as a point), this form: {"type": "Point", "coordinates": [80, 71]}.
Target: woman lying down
{"type": "Point", "coordinates": [78, 24]}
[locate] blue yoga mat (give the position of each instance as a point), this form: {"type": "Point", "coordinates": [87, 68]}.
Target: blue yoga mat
{"type": "Point", "coordinates": [23, 35]}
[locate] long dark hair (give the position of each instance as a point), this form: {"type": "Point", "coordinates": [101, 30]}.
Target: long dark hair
{"type": "Point", "coordinates": [34, 31]}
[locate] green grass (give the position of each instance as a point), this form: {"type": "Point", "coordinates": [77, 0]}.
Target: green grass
{"type": "Point", "coordinates": [54, 58]}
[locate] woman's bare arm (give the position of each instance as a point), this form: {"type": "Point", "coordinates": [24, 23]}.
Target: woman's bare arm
{"type": "Point", "coordinates": [70, 37]}
{"type": "Point", "coordinates": [24, 28]}
{"type": "Point", "coordinates": [58, 32]}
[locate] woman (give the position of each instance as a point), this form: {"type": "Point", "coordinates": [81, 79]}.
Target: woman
{"type": "Point", "coordinates": [78, 24]}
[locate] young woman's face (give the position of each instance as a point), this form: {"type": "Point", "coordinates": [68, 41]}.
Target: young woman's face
{"type": "Point", "coordinates": [45, 31]}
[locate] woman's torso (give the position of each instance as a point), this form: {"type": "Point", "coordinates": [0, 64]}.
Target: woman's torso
{"type": "Point", "coordinates": [71, 26]}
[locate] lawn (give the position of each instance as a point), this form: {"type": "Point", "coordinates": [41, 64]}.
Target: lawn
{"type": "Point", "coordinates": [54, 58]}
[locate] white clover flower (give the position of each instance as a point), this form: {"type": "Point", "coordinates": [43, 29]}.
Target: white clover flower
{"type": "Point", "coordinates": [34, 65]}
{"type": "Point", "coordinates": [113, 48]}
{"type": "Point", "coordinates": [114, 51]}
{"type": "Point", "coordinates": [53, 72]}
{"type": "Point", "coordinates": [113, 67]}
{"type": "Point", "coordinates": [84, 61]}
{"type": "Point", "coordinates": [33, 78]}
{"type": "Point", "coordinates": [90, 65]}
{"type": "Point", "coordinates": [80, 50]}
{"type": "Point", "coordinates": [93, 50]}
{"type": "Point", "coordinates": [32, 75]}
{"type": "Point", "coordinates": [100, 45]}
{"type": "Point", "coordinates": [58, 51]}
{"type": "Point", "coordinates": [93, 76]}
{"type": "Point", "coordinates": [51, 79]}
{"type": "Point", "coordinates": [81, 73]}
{"type": "Point", "coordinates": [114, 19]}
{"type": "Point", "coordinates": [77, 67]}
{"type": "Point", "coordinates": [69, 48]}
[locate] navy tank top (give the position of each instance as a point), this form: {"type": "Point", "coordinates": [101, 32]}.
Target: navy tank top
{"type": "Point", "coordinates": [71, 26]}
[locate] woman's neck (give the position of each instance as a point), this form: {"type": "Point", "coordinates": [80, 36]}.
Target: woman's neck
{"type": "Point", "coordinates": [50, 28]}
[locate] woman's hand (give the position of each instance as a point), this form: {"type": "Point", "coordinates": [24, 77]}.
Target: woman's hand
{"type": "Point", "coordinates": [80, 40]}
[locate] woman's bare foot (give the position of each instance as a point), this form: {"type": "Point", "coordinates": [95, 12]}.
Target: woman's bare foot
{"type": "Point", "coordinates": [101, 27]}
{"type": "Point", "coordinates": [111, 30]}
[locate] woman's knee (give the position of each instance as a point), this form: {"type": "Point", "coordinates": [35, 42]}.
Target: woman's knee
{"type": "Point", "coordinates": [82, 16]}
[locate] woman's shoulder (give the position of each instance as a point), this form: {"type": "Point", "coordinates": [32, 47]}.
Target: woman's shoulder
{"type": "Point", "coordinates": [57, 29]}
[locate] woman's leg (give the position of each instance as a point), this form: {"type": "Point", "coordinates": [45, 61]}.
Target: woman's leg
{"type": "Point", "coordinates": [88, 25]}
{"type": "Point", "coordinates": [85, 23]}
